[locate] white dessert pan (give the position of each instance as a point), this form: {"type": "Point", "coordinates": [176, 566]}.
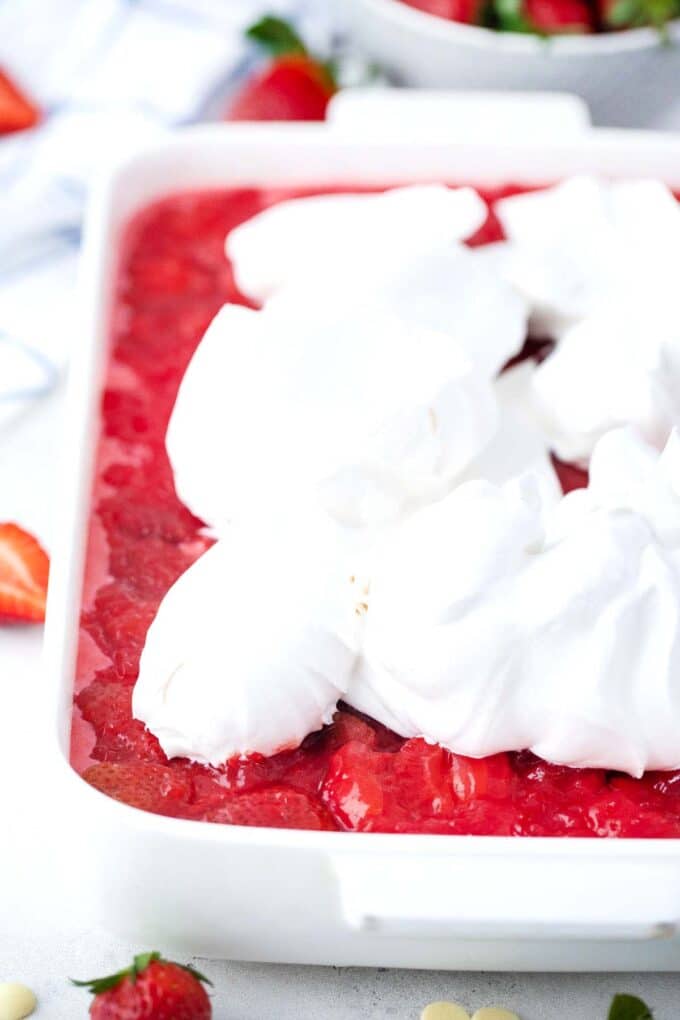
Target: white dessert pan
{"type": "Point", "coordinates": [320, 897]}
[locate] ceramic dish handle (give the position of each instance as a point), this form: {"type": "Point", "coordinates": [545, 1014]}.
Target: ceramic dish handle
{"type": "Point", "coordinates": [490, 897]}
{"type": "Point", "coordinates": [470, 116]}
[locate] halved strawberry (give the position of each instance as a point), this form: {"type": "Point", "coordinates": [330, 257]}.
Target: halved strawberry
{"type": "Point", "coordinates": [295, 86]}
{"type": "Point", "coordinates": [352, 790]}
{"type": "Point", "coordinates": [490, 777]}
{"type": "Point", "coordinates": [155, 788]}
{"type": "Point", "coordinates": [24, 570]}
{"type": "Point", "coordinates": [17, 112]}
{"type": "Point", "coordinates": [280, 807]}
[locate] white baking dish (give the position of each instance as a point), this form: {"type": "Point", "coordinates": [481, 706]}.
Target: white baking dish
{"type": "Point", "coordinates": [264, 894]}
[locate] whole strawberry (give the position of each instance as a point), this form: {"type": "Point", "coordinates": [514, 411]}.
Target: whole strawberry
{"type": "Point", "coordinates": [544, 17]}
{"type": "Point", "coordinates": [466, 11]}
{"type": "Point", "coordinates": [293, 86]}
{"type": "Point", "coordinates": [151, 989]}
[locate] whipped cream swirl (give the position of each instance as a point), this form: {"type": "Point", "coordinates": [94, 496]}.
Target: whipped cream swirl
{"type": "Point", "coordinates": [619, 366]}
{"type": "Point", "coordinates": [252, 646]}
{"type": "Point", "coordinates": [597, 262]}
{"type": "Point", "coordinates": [586, 243]}
{"type": "Point", "coordinates": [364, 411]}
{"type": "Point", "coordinates": [496, 623]}
{"type": "Point", "coordinates": [304, 239]}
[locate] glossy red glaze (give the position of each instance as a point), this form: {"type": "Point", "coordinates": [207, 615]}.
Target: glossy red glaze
{"type": "Point", "coordinates": [353, 775]}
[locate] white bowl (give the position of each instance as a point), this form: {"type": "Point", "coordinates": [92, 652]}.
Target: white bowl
{"type": "Point", "coordinates": [626, 77]}
{"type": "Point", "coordinates": [331, 897]}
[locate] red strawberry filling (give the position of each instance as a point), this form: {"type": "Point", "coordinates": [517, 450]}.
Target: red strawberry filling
{"type": "Point", "coordinates": [355, 774]}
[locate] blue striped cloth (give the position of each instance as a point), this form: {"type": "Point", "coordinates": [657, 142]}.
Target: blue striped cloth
{"type": "Point", "coordinates": [108, 74]}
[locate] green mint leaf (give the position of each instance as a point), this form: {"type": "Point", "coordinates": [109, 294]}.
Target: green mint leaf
{"type": "Point", "coordinates": [628, 1007]}
{"type": "Point", "coordinates": [276, 36]}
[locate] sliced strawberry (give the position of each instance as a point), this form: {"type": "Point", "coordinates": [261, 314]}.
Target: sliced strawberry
{"type": "Point", "coordinates": [353, 790]}
{"type": "Point", "coordinates": [347, 726]}
{"type": "Point", "coordinates": [294, 86]}
{"type": "Point", "coordinates": [17, 112]}
{"type": "Point", "coordinates": [118, 624]}
{"type": "Point", "coordinates": [615, 815]}
{"type": "Point", "coordinates": [156, 788]}
{"type": "Point", "coordinates": [24, 570]}
{"type": "Point", "coordinates": [420, 779]}
{"type": "Point", "coordinates": [107, 705]}
{"type": "Point", "coordinates": [466, 11]}
{"type": "Point", "coordinates": [280, 807]}
{"type": "Point", "coordinates": [479, 818]}
{"type": "Point", "coordinates": [473, 778]}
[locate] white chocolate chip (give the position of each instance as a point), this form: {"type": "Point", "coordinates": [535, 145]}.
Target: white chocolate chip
{"type": "Point", "coordinates": [16, 1001]}
{"type": "Point", "coordinates": [494, 1013]}
{"type": "Point", "coordinates": [444, 1011]}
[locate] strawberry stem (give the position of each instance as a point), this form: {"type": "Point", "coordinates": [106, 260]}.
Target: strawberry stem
{"type": "Point", "coordinates": [98, 985]}
{"type": "Point", "coordinates": [277, 37]}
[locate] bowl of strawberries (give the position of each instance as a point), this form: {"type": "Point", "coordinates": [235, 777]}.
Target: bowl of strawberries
{"type": "Point", "coordinates": [616, 54]}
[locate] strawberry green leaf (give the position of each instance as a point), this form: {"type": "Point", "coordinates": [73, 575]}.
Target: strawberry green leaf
{"type": "Point", "coordinates": [628, 1007]}
{"type": "Point", "coordinates": [509, 14]}
{"type": "Point", "coordinates": [635, 13]}
{"type": "Point", "coordinates": [276, 36]}
{"type": "Point", "coordinates": [142, 961]}
{"type": "Point", "coordinates": [98, 985]}
{"type": "Point", "coordinates": [624, 12]}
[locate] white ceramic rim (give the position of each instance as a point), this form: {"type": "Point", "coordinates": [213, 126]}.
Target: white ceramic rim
{"type": "Point", "coordinates": [433, 27]}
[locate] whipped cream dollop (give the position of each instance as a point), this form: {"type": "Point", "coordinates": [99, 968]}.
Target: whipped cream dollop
{"type": "Point", "coordinates": [252, 646]}
{"type": "Point", "coordinates": [497, 623]}
{"type": "Point", "coordinates": [356, 407]}
{"type": "Point", "coordinates": [454, 290]}
{"type": "Point", "coordinates": [618, 366]}
{"type": "Point", "coordinates": [519, 445]}
{"type": "Point", "coordinates": [303, 238]}
{"type": "Point", "coordinates": [587, 243]}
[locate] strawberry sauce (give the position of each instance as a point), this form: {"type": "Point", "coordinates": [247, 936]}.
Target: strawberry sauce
{"type": "Point", "coordinates": [355, 774]}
